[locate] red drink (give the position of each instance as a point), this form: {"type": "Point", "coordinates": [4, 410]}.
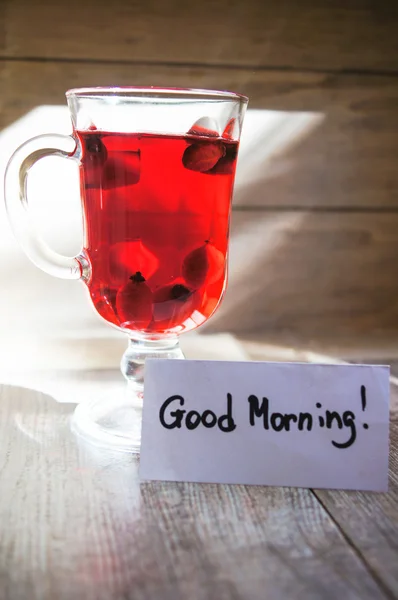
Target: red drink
{"type": "Point", "coordinates": [156, 210]}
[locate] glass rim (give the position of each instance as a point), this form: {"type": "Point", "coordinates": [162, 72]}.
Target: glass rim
{"type": "Point", "coordinates": [155, 92]}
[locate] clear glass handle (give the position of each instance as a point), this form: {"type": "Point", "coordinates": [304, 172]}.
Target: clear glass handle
{"type": "Point", "coordinates": [17, 204]}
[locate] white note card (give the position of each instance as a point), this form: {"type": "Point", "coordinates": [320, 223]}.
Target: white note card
{"type": "Point", "coordinates": [280, 424]}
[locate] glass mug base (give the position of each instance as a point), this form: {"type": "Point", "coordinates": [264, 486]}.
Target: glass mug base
{"type": "Point", "coordinates": [115, 422]}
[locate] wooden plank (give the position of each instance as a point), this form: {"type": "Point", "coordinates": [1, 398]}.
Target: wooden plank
{"type": "Point", "coordinates": [394, 367]}
{"type": "Point", "coordinates": [311, 275]}
{"type": "Point", "coordinates": [302, 277]}
{"type": "Point", "coordinates": [341, 155]}
{"type": "Point", "coordinates": [77, 523]}
{"type": "Point", "coordinates": [371, 520]}
{"type": "Point", "coordinates": [2, 29]}
{"type": "Point", "coordinates": [311, 34]}
{"type": "Point", "coordinates": [379, 347]}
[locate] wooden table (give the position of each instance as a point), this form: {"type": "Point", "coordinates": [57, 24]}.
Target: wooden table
{"type": "Point", "coordinates": [75, 522]}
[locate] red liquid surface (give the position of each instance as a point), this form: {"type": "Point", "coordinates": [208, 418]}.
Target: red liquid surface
{"type": "Point", "coordinates": [156, 211]}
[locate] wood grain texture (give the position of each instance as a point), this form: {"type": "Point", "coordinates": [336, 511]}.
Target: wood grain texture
{"type": "Point", "coordinates": [371, 520]}
{"type": "Point", "coordinates": [2, 28]}
{"type": "Point", "coordinates": [312, 34]}
{"type": "Point", "coordinates": [77, 523]}
{"type": "Point", "coordinates": [307, 276]}
{"type": "Point", "coordinates": [311, 275]}
{"type": "Point", "coordinates": [343, 157]}
{"type": "Point", "coordinates": [378, 347]}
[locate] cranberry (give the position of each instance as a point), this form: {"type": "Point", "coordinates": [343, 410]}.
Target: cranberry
{"type": "Point", "coordinates": [172, 305]}
{"type": "Point", "coordinates": [226, 164]}
{"type": "Point", "coordinates": [134, 302]}
{"type": "Point", "coordinates": [130, 257]}
{"type": "Point", "coordinates": [206, 262]}
{"type": "Point", "coordinates": [95, 150]}
{"type": "Point", "coordinates": [94, 157]}
{"type": "Point", "coordinates": [203, 156]}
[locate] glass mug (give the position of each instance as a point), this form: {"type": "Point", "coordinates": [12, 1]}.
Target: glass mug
{"type": "Point", "coordinates": [157, 168]}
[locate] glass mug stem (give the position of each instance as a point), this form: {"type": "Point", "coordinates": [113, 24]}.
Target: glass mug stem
{"type": "Point", "coordinates": [139, 350]}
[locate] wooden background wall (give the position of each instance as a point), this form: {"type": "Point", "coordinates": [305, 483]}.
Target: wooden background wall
{"type": "Point", "coordinates": [323, 232]}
